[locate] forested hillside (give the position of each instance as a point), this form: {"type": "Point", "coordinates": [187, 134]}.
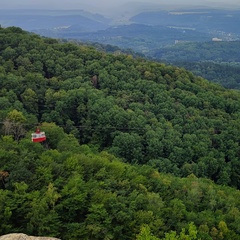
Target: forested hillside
{"type": "Point", "coordinates": [72, 192]}
{"type": "Point", "coordinates": [115, 126]}
{"type": "Point", "coordinates": [218, 62]}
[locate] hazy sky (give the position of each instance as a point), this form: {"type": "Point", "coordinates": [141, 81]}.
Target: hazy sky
{"type": "Point", "coordinates": [100, 5]}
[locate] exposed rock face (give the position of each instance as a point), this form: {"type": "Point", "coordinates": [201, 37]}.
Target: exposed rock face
{"type": "Point", "coordinates": [21, 236]}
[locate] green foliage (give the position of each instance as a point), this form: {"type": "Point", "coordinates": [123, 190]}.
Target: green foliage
{"type": "Point", "coordinates": [215, 61]}
{"type": "Point", "coordinates": [86, 195]}
{"type": "Point", "coordinates": [145, 234]}
{"type": "Point", "coordinates": [142, 111]}
{"type": "Point", "coordinates": [128, 146]}
{"type": "Point", "coordinates": [192, 234]}
{"type": "Point", "coordinates": [224, 51]}
{"type": "Point", "coordinates": [14, 124]}
{"type": "Point", "coordinates": [146, 113]}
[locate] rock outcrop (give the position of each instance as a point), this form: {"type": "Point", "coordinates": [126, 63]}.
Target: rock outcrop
{"type": "Point", "coordinates": [21, 236]}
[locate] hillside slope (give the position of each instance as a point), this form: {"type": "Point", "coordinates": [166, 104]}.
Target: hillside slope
{"type": "Point", "coordinates": [72, 192]}
{"type": "Point", "coordinates": [94, 106]}
{"type": "Point", "coordinates": [217, 61]}
{"type": "Point", "coordinates": [144, 112]}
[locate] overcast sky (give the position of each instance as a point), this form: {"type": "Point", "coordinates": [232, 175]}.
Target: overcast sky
{"type": "Point", "coordinates": [100, 5]}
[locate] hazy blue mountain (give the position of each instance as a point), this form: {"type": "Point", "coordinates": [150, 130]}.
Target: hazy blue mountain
{"type": "Point", "coordinates": [39, 19]}
{"type": "Point", "coordinates": [139, 37]}
{"type": "Point", "coordinates": [145, 32]}
{"type": "Point", "coordinates": [200, 19]}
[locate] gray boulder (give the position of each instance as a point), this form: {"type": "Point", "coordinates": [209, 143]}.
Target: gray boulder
{"type": "Point", "coordinates": [21, 236]}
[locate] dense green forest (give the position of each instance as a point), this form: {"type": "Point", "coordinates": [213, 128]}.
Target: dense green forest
{"type": "Point", "coordinates": [218, 62]}
{"type": "Point", "coordinates": [227, 74]}
{"type": "Point", "coordinates": [201, 51]}
{"type": "Point", "coordinates": [135, 149]}
{"type": "Point", "coordinates": [73, 192]}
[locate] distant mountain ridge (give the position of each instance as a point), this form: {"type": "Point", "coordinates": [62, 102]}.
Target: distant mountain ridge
{"type": "Point", "coordinates": [200, 19]}
{"type": "Point", "coordinates": [38, 19]}
{"type": "Point", "coordinates": [139, 37]}
{"type": "Point", "coordinates": [144, 32]}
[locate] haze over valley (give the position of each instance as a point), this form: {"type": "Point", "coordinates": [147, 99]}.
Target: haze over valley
{"type": "Point", "coordinates": [147, 28]}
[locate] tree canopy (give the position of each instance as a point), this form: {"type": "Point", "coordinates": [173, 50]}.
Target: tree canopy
{"type": "Point", "coordinates": [218, 62]}
{"type": "Point", "coordinates": [134, 147]}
